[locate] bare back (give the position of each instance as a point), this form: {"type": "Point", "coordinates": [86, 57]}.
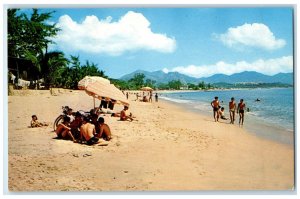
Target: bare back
{"type": "Point", "coordinates": [104, 129]}
{"type": "Point", "coordinates": [87, 130]}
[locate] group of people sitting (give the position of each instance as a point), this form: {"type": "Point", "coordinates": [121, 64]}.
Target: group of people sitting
{"type": "Point", "coordinates": [83, 128]}
{"type": "Point", "coordinates": [88, 128]}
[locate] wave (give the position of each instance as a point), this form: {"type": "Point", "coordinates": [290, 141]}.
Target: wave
{"type": "Point", "coordinates": [181, 101]}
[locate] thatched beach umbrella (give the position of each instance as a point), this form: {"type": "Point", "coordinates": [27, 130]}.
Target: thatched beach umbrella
{"type": "Point", "coordinates": [146, 88]}
{"type": "Point", "coordinates": [100, 88]}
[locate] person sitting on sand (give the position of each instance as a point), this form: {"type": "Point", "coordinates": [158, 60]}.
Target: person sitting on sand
{"type": "Point", "coordinates": [104, 131]}
{"type": "Point", "coordinates": [75, 125]}
{"type": "Point", "coordinates": [88, 131]}
{"type": "Point", "coordinates": [70, 115]}
{"type": "Point", "coordinates": [215, 105]}
{"type": "Point", "coordinates": [232, 108]}
{"type": "Point", "coordinates": [145, 99]}
{"type": "Point", "coordinates": [35, 123]}
{"type": "Point", "coordinates": [94, 120]}
{"type": "Point", "coordinates": [124, 117]}
{"type": "Point", "coordinates": [222, 114]}
{"type": "Point", "coordinates": [63, 130]}
{"type": "Point", "coordinates": [241, 110]}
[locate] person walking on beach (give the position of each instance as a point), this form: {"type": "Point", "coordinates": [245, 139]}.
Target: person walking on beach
{"type": "Point", "coordinates": [241, 110]}
{"type": "Point", "coordinates": [156, 97]}
{"type": "Point", "coordinates": [215, 105]}
{"type": "Point", "coordinates": [232, 108]}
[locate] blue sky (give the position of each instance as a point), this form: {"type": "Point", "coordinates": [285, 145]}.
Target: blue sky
{"type": "Point", "coordinates": [198, 42]}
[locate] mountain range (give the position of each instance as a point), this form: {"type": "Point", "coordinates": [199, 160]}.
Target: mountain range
{"type": "Point", "coordinates": [243, 77]}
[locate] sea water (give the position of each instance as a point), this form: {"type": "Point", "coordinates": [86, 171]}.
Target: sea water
{"type": "Point", "coordinates": [272, 115]}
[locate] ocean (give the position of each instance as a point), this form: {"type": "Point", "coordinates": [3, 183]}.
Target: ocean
{"type": "Point", "coordinates": [271, 117]}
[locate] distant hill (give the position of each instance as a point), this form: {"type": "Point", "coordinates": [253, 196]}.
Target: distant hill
{"type": "Point", "coordinates": [250, 76]}
{"type": "Point", "coordinates": [161, 77]}
{"type": "Point", "coordinates": [243, 77]}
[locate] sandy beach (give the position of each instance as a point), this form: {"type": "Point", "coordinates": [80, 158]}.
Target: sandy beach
{"type": "Point", "coordinates": [167, 149]}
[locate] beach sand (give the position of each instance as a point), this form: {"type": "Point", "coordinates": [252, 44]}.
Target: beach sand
{"type": "Point", "coordinates": [167, 149]}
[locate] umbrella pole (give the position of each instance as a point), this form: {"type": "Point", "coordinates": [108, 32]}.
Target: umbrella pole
{"type": "Point", "coordinates": [94, 103]}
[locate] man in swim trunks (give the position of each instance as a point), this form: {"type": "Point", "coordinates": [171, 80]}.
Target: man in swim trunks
{"type": "Point", "coordinates": [241, 110]}
{"type": "Point", "coordinates": [124, 116]}
{"type": "Point", "coordinates": [87, 131]}
{"type": "Point", "coordinates": [232, 108]}
{"type": "Point", "coordinates": [215, 105]}
{"type": "Point", "coordinates": [75, 125]}
{"type": "Point", "coordinates": [104, 130]}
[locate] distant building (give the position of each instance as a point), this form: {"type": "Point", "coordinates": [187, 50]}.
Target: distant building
{"type": "Point", "coordinates": [184, 87]}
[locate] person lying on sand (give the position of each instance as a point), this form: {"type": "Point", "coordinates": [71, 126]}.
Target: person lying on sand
{"type": "Point", "coordinates": [124, 116]}
{"type": "Point", "coordinates": [116, 114]}
{"type": "Point", "coordinates": [35, 123]}
{"type": "Point", "coordinates": [104, 131]}
{"type": "Point", "coordinates": [87, 131]}
{"type": "Point", "coordinates": [63, 130]}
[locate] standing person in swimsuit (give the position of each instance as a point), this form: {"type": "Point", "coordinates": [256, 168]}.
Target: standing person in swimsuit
{"type": "Point", "coordinates": [241, 110]}
{"type": "Point", "coordinates": [215, 105]}
{"type": "Point", "coordinates": [232, 108]}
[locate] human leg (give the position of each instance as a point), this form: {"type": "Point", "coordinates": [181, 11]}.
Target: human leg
{"type": "Point", "coordinates": [243, 118]}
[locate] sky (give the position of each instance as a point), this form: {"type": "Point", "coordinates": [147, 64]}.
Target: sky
{"type": "Point", "coordinates": [198, 42]}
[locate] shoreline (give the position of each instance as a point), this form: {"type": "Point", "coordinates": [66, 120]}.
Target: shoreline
{"type": "Point", "coordinates": [252, 126]}
{"type": "Point", "coordinates": [261, 126]}
{"type": "Point", "coordinates": [167, 149]}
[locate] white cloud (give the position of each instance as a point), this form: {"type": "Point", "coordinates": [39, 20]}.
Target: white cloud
{"type": "Point", "coordinates": [255, 35]}
{"type": "Point", "coordinates": [165, 70]}
{"type": "Point", "coordinates": [268, 67]}
{"type": "Point", "coordinates": [132, 32]}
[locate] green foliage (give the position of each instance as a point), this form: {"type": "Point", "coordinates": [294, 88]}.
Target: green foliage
{"type": "Point", "coordinates": [28, 39]}
{"type": "Point", "coordinates": [121, 84]}
{"type": "Point", "coordinates": [193, 86]}
{"type": "Point", "coordinates": [175, 84]}
{"type": "Point", "coordinates": [222, 85]}
{"type": "Point", "coordinates": [136, 82]}
{"type": "Point", "coordinates": [70, 76]}
{"type": "Point", "coordinates": [150, 83]}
